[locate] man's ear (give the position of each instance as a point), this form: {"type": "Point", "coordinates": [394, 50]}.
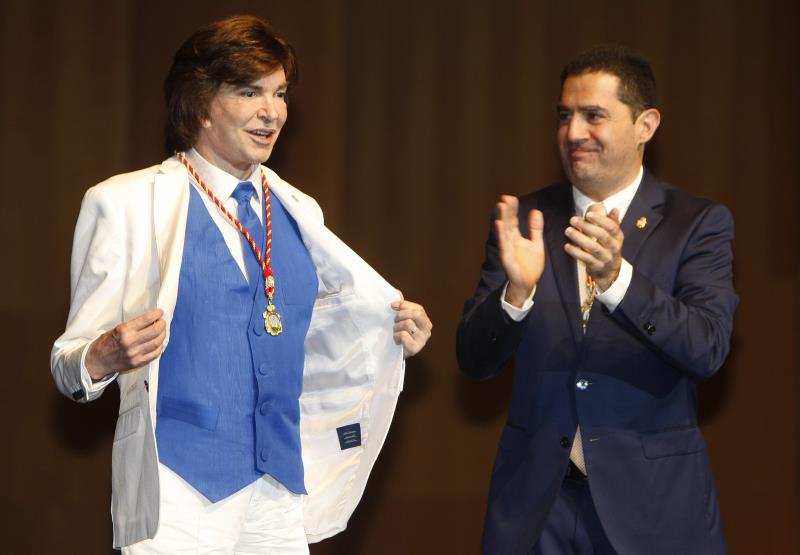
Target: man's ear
{"type": "Point", "coordinates": [646, 125]}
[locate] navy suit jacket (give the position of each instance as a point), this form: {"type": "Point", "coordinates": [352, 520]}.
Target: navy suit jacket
{"type": "Point", "coordinates": [647, 462]}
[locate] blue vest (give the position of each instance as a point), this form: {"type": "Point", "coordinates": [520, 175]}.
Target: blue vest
{"type": "Point", "coordinates": [228, 392]}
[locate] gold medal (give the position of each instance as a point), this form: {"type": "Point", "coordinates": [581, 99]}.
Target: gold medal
{"type": "Point", "coordinates": [272, 320]}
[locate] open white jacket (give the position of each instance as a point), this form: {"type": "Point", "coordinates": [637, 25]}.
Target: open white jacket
{"type": "Point", "coordinates": [126, 259]}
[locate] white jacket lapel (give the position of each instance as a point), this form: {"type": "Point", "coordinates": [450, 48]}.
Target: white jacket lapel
{"type": "Point", "coordinates": [170, 210]}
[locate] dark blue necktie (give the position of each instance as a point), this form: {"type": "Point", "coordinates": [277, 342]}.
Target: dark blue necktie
{"type": "Point", "coordinates": [243, 193]}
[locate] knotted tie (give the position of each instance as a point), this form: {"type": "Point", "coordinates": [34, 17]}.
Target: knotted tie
{"type": "Point", "coordinates": [586, 287]}
{"type": "Point", "coordinates": [243, 193]}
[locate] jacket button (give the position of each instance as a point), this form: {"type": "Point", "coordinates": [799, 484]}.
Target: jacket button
{"type": "Point", "coordinates": [258, 328]}
{"type": "Point", "coordinates": [564, 442]}
{"type": "Point", "coordinates": [582, 384]}
{"type": "Point", "coordinates": [264, 454]}
{"type": "Point", "coordinates": [263, 369]}
{"type": "Point", "coordinates": [264, 409]}
{"type": "Point", "coordinates": [650, 328]}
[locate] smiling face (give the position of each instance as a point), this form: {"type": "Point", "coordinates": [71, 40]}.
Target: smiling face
{"type": "Point", "coordinates": [243, 124]}
{"type": "Point", "coordinates": [600, 142]}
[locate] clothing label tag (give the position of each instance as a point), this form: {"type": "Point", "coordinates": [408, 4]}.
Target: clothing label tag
{"type": "Point", "coordinates": [349, 436]}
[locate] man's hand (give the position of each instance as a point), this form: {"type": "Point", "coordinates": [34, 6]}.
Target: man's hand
{"type": "Point", "coordinates": [597, 241]}
{"type": "Point", "coordinates": [412, 327]}
{"type": "Point", "coordinates": [129, 345]}
{"type": "Point", "coordinates": [522, 259]}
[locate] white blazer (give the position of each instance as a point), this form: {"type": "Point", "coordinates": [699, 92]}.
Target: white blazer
{"type": "Point", "coordinates": [126, 259]}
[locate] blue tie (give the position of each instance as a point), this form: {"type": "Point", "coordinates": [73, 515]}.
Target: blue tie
{"type": "Point", "coordinates": [243, 193]}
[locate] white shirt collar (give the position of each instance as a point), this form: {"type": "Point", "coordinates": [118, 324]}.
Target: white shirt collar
{"type": "Point", "coordinates": [621, 200]}
{"type": "Point", "coordinates": [219, 181]}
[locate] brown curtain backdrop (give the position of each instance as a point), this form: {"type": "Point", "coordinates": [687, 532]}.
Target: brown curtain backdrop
{"type": "Point", "coordinates": [410, 119]}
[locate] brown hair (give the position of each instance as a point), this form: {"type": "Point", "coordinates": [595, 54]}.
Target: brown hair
{"type": "Point", "coordinates": [236, 50]}
{"type": "Point", "coordinates": [637, 84]}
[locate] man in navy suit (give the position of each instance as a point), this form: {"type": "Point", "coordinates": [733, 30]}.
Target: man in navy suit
{"type": "Point", "coordinates": [613, 293]}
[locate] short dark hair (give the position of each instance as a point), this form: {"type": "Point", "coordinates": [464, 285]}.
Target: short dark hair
{"type": "Point", "coordinates": [236, 50]}
{"type": "Point", "coordinates": [637, 84]}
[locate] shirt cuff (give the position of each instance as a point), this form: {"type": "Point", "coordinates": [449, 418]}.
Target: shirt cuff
{"type": "Point", "coordinates": [516, 314]}
{"type": "Point", "coordinates": [89, 385]}
{"type": "Point", "coordinates": [616, 292]}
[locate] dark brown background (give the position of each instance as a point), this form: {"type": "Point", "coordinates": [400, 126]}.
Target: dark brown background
{"type": "Point", "coordinates": [411, 117]}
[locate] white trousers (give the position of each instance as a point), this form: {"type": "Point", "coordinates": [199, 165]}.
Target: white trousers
{"type": "Point", "coordinates": [263, 518]}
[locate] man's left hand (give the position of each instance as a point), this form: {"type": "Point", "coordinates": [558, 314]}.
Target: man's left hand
{"type": "Point", "coordinates": [412, 327]}
{"type": "Point", "coordinates": [597, 240]}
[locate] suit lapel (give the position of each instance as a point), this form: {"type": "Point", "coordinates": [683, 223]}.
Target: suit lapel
{"type": "Point", "coordinates": [558, 209]}
{"type": "Point", "coordinates": [329, 254]}
{"type": "Point", "coordinates": [291, 202]}
{"type": "Point", "coordinates": [170, 209]}
{"type": "Point", "coordinates": [338, 267]}
{"type": "Point", "coordinates": [643, 216]}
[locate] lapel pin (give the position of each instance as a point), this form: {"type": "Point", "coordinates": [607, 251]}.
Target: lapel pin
{"type": "Point", "coordinates": [641, 223]}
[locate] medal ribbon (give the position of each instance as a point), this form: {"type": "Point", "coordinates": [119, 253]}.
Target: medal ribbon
{"type": "Point", "coordinates": [265, 263]}
{"type": "Point", "coordinates": [586, 305]}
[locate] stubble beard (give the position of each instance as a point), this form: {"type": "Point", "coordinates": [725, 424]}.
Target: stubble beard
{"type": "Point", "coordinates": [582, 175]}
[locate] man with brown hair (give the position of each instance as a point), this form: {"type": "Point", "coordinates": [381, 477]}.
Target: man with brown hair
{"type": "Point", "coordinates": [613, 294]}
{"type": "Point", "coordinates": [259, 359]}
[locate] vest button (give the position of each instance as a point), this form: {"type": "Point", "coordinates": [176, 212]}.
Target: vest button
{"type": "Point", "coordinates": [264, 408]}
{"type": "Point", "coordinates": [264, 454]}
{"type": "Point", "coordinates": [258, 327]}
{"type": "Point", "coordinates": [582, 384]}
{"type": "Point", "coordinates": [263, 369]}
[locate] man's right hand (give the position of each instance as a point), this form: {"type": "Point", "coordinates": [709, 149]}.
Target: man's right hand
{"type": "Point", "coordinates": [129, 345]}
{"type": "Point", "coordinates": [522, 259]}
